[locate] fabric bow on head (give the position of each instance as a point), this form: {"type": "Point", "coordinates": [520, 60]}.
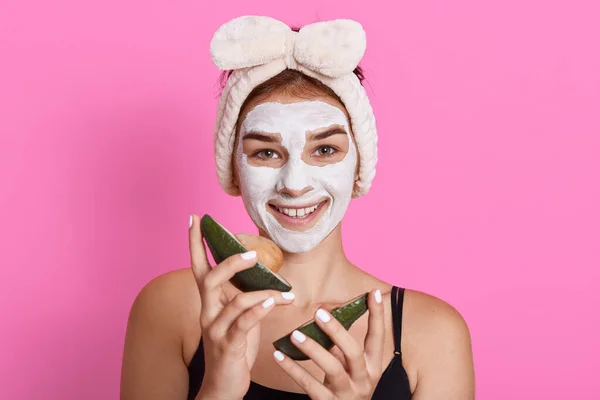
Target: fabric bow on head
{"type": "Point", "coordinates": [330, 48]}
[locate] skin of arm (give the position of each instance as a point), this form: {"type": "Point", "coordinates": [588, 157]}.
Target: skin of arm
{"type": "Point", "coordinates": [153, 366]}
{"type": "Point", "coordinates": [445, 370]}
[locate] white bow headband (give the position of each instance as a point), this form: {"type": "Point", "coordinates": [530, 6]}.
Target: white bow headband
{"type": "Point", "coordinates": [257, 48]}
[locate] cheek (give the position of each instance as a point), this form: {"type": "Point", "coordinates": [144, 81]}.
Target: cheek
{"type": "Point", "coordinates": [257, 183]}
{"type": "Point", "coordinates": [338, 178]}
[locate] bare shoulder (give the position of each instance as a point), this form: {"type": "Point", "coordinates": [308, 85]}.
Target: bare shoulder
{"type": "Point", "coordinates": [438, 347]}
{"type": "Point", "coordinates": [432, 315]}
{"type": "Point", "coordinates": [157, 328]}
{"type": "Point", "coordinates": [170, 295]}
{"type": "Point", "coordinates": [169, 303]}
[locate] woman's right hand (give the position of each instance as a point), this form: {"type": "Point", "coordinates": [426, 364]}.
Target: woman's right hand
{"type": "Point", "coordinates": [230, 328]}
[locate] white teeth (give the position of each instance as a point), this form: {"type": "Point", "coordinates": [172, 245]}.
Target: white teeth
{"type": "Point", "coordinates": [297, 212]}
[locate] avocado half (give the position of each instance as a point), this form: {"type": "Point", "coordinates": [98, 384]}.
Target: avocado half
{"type": "Point", "coordinates": [222, 244]}
{"type": "Point", "coordinates": [346, 315]}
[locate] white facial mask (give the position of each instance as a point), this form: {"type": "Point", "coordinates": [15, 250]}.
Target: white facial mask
{"type": "Point", "coordinates": [260, 184]}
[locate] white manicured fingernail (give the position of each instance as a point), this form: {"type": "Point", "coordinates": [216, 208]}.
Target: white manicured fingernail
{"type": "Point", "coordinates": [249, 255]}
{"type": "Point", "coordinates": [299, 336]}
{"type": "Point", "coordinates": [191, 221]}
{"type": "Point", "coordinates": [288, 295]}
{"type": "Point", "coordinates": [323, 315]}
{"type": "Point", "coordinates": [268, 302]}
{"type": "Point", "coordinates": [378, 296]}
{"type": "Point", "coordinates": [278, 355]}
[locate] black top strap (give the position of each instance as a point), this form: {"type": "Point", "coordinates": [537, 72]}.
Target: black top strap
{"type": "Point", "coordinates": [397, 303]}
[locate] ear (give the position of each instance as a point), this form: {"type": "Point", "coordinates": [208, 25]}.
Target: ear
{"type": "Point", "coordinates": [234, 166]}
{"type": "Point", "coordinates": [234, 169]}
{"type": "Point", "coordinates": [357, 168]}
{"type": "Point", "coordinates": [236, 180]}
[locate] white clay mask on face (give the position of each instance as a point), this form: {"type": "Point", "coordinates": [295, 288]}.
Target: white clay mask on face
{"type": "Point", "coordinates": [265, 186]}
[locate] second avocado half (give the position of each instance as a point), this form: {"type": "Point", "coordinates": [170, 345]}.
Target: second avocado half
{"type": "Point", "coordinates": [346, 315]}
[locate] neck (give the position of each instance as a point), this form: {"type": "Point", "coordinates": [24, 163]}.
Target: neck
{"type": "Point", "coordinates": [316, 275]}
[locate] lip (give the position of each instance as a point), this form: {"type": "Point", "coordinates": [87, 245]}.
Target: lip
{"type": "Point", "coordinates": [299, 224]}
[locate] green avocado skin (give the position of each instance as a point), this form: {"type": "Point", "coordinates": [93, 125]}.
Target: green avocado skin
{"type": "Point", "coordinates": [223, 245]}
{"type": "Point", "coordinates": [346, 315]}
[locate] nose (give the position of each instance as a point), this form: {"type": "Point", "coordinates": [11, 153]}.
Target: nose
{"type": "Point", "coordinates": [295, 193]}
{"type": "Point", "coordinates": [294, 181]}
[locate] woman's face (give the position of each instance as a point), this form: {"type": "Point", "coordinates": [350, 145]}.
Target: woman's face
{"type": "Point", "coordinates": [295, 164]}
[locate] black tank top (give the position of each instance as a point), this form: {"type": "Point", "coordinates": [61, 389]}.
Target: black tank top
{"type": "Point", "coordinates": [393, 384]}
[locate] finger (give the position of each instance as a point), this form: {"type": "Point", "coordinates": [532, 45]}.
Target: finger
{"type": "Point", "coordinates": [198, 259]}
{"type": "Point", "coordinates": [244, 301]}
{"type": "Point", "coordinates": [224, 271]}
{"type": "Point", "coordinates": [238, 332]}
{"type": "Point", "coordinates": [201, 268]}
{"type": "Point", "coordinates": [210, 286]}
{"type": "Point", "coordinates": [312, 387]}
{"type": "Point", "coordinates": [353, 352]}
{"type": "Point", "coordinates": [335, 373]}
{"type": "Point", "coordinates": [375, 334]}
{"type": "Point", "coordinates": [337, 353]}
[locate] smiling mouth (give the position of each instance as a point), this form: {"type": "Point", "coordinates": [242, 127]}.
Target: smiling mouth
{"type": "Point", "coordinates": [302, 216]}
{"type": "Point", "coordinates": [297, 212]}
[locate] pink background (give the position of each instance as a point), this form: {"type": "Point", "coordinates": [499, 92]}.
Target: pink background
{"type": "Point", "coordinates": [487, 191]}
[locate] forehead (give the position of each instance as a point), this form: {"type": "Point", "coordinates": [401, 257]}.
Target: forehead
{"type": "Point", "coordinates": [303, 115]}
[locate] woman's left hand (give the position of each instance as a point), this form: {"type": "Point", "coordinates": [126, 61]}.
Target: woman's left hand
{"type": "Point", "coordinates": [350, 373]}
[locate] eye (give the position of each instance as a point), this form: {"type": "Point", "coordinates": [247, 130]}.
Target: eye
{"type": "Point", "coordinates": [266, 154]}
{"type": "Point", "coordinates": [325, 151]}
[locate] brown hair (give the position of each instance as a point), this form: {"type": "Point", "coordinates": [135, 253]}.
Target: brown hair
{"type": "Point", "coordinates": [291, 82]}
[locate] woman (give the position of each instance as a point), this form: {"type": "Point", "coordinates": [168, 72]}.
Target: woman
{"type": "Point", "coordinates": [295, 137]}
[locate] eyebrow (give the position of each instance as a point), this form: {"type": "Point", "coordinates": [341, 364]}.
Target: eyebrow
{"type": "Point", "coordinates": [263, 137]}
{"type": "Point", "coordinates": [328, 133]}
